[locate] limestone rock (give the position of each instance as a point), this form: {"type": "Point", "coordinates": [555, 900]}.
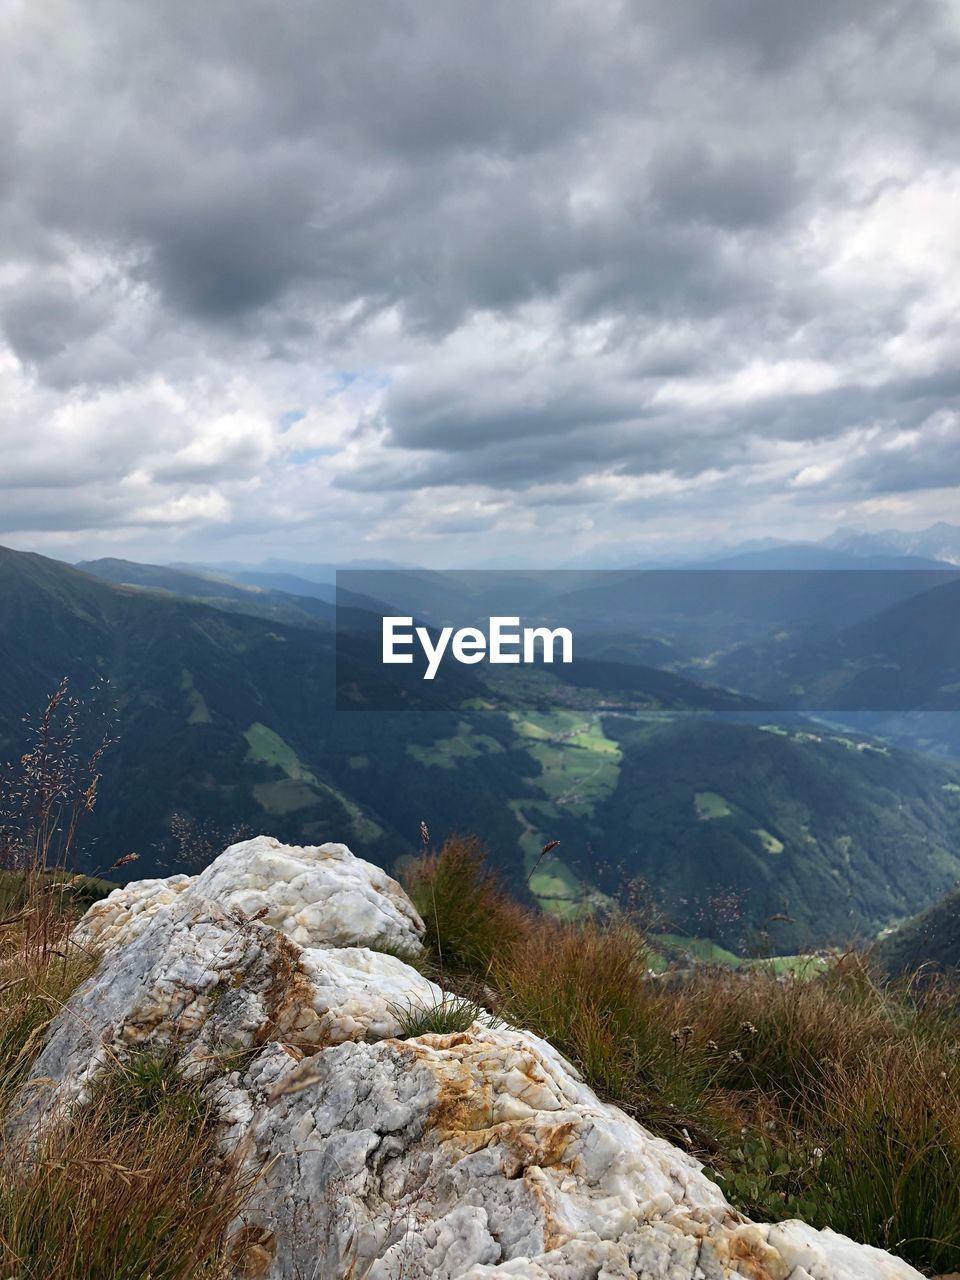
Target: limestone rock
{"type": "Point", "coordinates": [203, 987]}
{"type": "Point", "coordinates": [474, 1156]}
{"type": "Point", "coordinates": [125, 913]}
{"type": "Point", "coordinates": [470, 1156]}
{"type": "Point", "coordinates": [316, 894]}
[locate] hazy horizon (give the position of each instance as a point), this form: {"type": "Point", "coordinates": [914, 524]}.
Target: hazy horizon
{"type": "Point", "coordinates": [847, 538]}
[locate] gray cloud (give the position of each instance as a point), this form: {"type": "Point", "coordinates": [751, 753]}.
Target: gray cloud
{"type": "Point", "coordinates": [738, 189]}
{"type": "Point", "coordinates": [594, 254]}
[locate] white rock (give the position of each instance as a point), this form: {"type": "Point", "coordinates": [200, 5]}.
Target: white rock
{"type": "Point", "coordinates": [475, 1156]}
{"type": "Point", "coordinates": [206, 987]}
{"type": "Point", "coordinates": [125, 913]}
{"type": "Point", "coordinates": [359, 994]}
{"type": "Point", "coordinates": [471, 1156]}
{"type": "Point", "coordinates": [318, 895]}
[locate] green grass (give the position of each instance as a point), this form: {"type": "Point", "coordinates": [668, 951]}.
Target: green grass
{"type": "Point", "coordinates": [199, 711]}
{"type": "Point", "coordinates": [449, 1015]}
{"type": "Point", "coordinates": [709, 805]}
{"type": "Point", "coordinates": [363, 827]}
{"type": "Point", "coordinates": [769, 842]}
{"type": "Point", "coordinates": [801, 966]}
{"type": "Point", "coordinates": [579, 769]}
{"type": "Point", "coordinates": [449, 753]}
{"type": "Point", "coordinates": [554, 884]}
{"type": "Point", "coordinates": [696, 950]}
{"type": "Point", "coordinates": [687, 952]}
{"type": "Point", "coordinates": [286, 795]}
{"type": "Point", "coordinates": [267, 747]}
{"type": "Point", "coordinates": [579, 764]}
{"type": "Point", "coordinates": [301, 789]}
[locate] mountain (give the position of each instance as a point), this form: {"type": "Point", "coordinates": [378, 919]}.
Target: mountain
{"type": "Point", "coordinates": [290, 583]}
{"type": "Point", "coordinates": [192, 684]}
{"type": "Point", "coordinates": [182, 582]}
{"type": "Point", "coordinates": [229, 723]}
{"type": "Point", "coordinates": [904, 658]}
{"type": "Point", "coordinates": [845, 548]}
{"type": "Point", "coordinates": [895, 673]}
{"type": "Point", "coordinates": [703, 611]}
{"type": "Point", "coordinates": [940, 541]}
{"type": "Point", "coordinates": [229, 719]}
{"type": "Point", "coordinates": [323, 573]}
{"type": "Point", "coordinates": [807, 556]}
{"type": "Point", "coordinates": [930, 940]}
{"type": "Point", "coordinates": [257, 599]}
{"type": "Point", "coordinates": [798, 831]}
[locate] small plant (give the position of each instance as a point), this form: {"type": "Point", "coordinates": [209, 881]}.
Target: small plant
{"type": "Point", "coordinates": [149, 1085]}
{"type": "Point", "coordinates": [773, 1182]}
{"type": "Point", "coordinates": [448, 1015]}
{"type": "Point", "coordinates": [891, 1133]}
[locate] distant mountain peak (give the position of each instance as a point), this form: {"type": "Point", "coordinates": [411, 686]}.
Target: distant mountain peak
{"type": "Point", "coordinates": [940, 541]}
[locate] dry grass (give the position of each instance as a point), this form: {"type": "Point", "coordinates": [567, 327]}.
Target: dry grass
{"type": "Point", "coordinates": [132, 1188]}
{"type": "Point", "coordinates": [470, 919]}
{"type": "Point", "coordinates": [836, 1099]}
{"type": "Point", "coordinates": [44, 800]}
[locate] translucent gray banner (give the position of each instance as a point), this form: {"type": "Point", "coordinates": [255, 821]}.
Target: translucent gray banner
{"type": "Point", "coordinates": [674, 640]}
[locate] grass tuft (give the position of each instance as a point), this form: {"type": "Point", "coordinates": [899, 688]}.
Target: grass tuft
{"type": "Point", "coordinates": [470, 919]}
{"type": "Point", "coordinates": [449, 1015]}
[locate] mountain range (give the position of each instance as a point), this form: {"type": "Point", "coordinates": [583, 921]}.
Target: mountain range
{"type": "Point", "coordinates": [737, 820]}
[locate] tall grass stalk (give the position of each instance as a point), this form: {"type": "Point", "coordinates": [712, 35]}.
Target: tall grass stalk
{"type": "Point", "coordinates": [43, 800]}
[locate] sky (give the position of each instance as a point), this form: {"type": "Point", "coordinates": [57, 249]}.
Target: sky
{"type": "Point", "coordinates": [461, 282]}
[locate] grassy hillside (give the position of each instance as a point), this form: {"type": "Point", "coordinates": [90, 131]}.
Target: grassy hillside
{"type": "Point", "coordinates": [798, 835]}
{"type": "Point", "coordinates": [192, 684]}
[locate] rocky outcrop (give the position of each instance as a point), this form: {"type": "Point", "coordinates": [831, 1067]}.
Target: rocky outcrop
{"type": "Point", "coordinates": [475, 1155]}
{"type": "Point", "coordinates": [316, 895]}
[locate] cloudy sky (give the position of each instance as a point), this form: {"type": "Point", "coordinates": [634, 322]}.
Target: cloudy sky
{"type": "Point", "coordinates": [461, 281]}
